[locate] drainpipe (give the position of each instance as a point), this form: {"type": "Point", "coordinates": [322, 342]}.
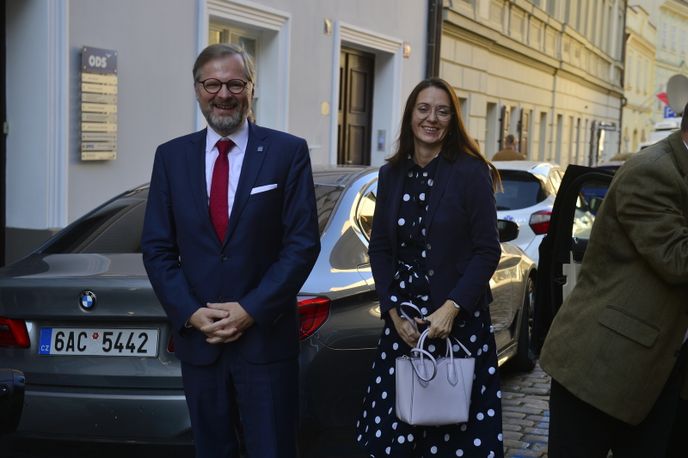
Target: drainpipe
{"type": "Point", "coordinates": [432, 50]}
{"type": "Point", "coordinates": [3, 137]}
{"type": "Point", "coordinates": [623, 75]}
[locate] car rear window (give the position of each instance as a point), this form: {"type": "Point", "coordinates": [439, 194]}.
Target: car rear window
{"type": "Point", "coordinates": [521, 190]}
{"type": "Point", "coordinates": [116, 226]}
{"type": "Point", "coordinates": [112, 228]}
{"type": "Point", "coordinates": [326, 197]}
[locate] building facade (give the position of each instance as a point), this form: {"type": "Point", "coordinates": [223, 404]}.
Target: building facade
{"type": "Point", "coordinates": [671, 19]}
{"type": "Point", "coordinates": [333, 72]}
{"type": "Point", "coordinates": [639, 79]}
{"type": "Point", "coordinates": [548, 71]}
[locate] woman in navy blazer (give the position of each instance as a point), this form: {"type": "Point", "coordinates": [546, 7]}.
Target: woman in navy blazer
{"type": "Point", "coordinates": [434, 244]}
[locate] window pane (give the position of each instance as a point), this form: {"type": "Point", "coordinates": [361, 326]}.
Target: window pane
{"type": "Point", "coordinates": [521, 190]}
{"type": "Point", "coordinates": [326, 198]}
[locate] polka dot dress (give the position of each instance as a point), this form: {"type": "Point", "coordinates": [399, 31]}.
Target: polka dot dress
{"type": "Point", "coordinates": [378, 430]}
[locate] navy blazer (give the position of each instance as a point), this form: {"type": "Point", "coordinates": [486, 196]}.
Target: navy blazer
{"type": "Point", "coordinates": [462, 240]}
{"type": "Point", "coordinates": [271, 244]}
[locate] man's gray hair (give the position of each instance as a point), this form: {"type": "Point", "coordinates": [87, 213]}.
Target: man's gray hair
{"type": "Point", "coordinates": [220, 50]}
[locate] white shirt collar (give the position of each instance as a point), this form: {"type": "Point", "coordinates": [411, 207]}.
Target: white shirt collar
{"type": "Point", "coordinates": [239, 137]}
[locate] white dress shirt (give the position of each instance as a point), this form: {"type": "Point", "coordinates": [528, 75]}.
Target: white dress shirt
{"type": "Point", "coordinates": [235, 156]}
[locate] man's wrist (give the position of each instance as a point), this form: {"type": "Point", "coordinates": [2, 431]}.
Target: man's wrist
{"type": "Point", "coordinates": [456, 306]}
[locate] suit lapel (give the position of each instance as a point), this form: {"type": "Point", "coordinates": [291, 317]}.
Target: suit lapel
{"type": "Point", "coordinates": [440, 184]}
{"type": "Point", "coordinates": [256, 150]}
{"type": "Point", "coordinates": [195, 161]}
{"type": "Point", "coordinates": [396, 186]}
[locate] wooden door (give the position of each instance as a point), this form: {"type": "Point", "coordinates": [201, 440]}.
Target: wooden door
{"type": "Point", "coordinates": [356, 77]}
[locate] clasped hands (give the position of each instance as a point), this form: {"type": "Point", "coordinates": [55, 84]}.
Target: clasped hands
{"type": "Point", "coordinates": [221, 322]}
{"type": "Point", "coordinates": [439, 323]}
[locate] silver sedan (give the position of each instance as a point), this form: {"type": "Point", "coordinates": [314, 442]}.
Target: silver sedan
{"type": "Point", "coordinates": [79, 318]}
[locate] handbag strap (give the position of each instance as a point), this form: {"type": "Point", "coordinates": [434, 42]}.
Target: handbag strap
{"type": "Point", "coordinates": [424, 353]}
{"type": "Point", "coordinates": [406, 316]}
{"type": "Point", "coordinates": [463, 347]}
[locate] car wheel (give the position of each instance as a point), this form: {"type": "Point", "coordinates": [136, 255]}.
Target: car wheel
{"type": "Point", "coordinates": [524, 360]}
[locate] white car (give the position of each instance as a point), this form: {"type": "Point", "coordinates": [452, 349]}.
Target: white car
{"type": "Point", "coordinates": [529, 191]}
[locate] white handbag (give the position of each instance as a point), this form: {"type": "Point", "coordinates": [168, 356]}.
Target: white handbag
{"type": "Point", "coordinates": [433, 391]}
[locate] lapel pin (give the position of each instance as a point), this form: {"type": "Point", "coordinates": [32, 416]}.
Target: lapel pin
{"type": "Point", "coordinates": [260, 149]}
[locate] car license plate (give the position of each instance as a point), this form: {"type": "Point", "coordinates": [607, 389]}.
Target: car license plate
{"type": "Point", "coordinates": [98, 342]}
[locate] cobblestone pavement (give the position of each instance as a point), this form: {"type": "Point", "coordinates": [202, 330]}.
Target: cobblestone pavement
{"type": "Point", "coordinates": [525, 410]}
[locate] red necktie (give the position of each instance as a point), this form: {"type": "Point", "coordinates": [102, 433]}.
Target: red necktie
{"type": "Point", "coordinates": [219, 207]}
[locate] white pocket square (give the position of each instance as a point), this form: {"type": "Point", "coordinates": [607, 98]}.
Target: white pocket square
{"type": "Point", "coordinates": [265, 187]}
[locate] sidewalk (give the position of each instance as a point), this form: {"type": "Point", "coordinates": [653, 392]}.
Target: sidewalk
{"type": "Point", "coordinates": [525, 410]}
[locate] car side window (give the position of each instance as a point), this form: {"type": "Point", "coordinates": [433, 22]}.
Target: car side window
{"type": "Point", "coordinates": [589, 200]}
{"type": "Point", "coordinates": [366, 209]}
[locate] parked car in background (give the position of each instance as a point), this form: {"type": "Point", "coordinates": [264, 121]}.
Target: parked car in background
{"type": "Point", "coordinates": [80, 319]}
{"type": "Point", "coordinates": [529, 191]}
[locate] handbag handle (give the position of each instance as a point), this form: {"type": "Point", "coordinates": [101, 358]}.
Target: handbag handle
{"type": "Point", "coordinates": [406, 316]}
{"type": "Point", "coordinates": [422, 361]}
{"type": "Point", "coordinates": [420, 344]}
{"type": "Point", "coordinates": [452, 374]}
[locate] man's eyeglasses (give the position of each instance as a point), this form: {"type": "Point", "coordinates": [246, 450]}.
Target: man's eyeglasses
{"type": "Point", "coordinates": [213, 86]}
{"type": "Point", "coordinates": [442, 112]}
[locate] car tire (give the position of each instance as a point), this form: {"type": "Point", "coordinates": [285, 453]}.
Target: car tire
{"type": "Point", "coordinates": [524, 360]}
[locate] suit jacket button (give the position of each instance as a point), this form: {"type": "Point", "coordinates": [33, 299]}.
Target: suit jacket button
{"type": "Point", "coordinates": [431, 273]}
{"type": "Point", "coordinates": [224, 258]}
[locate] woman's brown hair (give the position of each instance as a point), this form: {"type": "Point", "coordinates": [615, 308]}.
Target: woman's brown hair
{"type": "Point", "coordinates": [456, 141]}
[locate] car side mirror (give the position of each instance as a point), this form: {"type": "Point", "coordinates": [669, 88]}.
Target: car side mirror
{"type": "Point", "coordinates": [11, 399]}
{"type": "Point", "coordinates": [508, 230]}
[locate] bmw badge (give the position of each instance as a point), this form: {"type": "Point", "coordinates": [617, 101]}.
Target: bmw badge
{"type": "Point", "coordinates": [87, 300]}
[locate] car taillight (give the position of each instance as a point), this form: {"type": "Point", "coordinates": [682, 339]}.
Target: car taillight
{"type": "Point", "coordinates": [539, 221]}
{"type": "Point", "coordinates": [13, 333]}
{"type": "Point", "coordinates": [313, 312]}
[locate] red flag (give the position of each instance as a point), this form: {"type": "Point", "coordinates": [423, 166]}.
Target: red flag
{"type": "Point", "coordinates": [663, 97]}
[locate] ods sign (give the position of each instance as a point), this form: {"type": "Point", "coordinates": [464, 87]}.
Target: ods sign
{"type": "Point", "coordinates": [95, 60]}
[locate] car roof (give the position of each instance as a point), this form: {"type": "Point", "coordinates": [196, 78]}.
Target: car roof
{"type": "Point", "coordinates": [535, 167]}
{"type": "Point", "coordinates": [339, 175]}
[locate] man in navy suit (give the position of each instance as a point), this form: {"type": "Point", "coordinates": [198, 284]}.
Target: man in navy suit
{"type": "Point", "coordinates": [229, 237]}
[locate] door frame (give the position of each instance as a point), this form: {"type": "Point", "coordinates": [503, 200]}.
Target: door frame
{"type": "Point", "coordinates": [388, 53]}
{"type": "Point", "coordinates": [556, 247]}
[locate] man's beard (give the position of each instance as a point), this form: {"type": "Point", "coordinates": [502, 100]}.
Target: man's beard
{"type": "Point", "coordinates": [227, 124]}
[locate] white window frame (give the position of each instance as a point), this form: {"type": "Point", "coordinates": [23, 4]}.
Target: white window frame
{"type": "Point", "coordinates": [272, 87]}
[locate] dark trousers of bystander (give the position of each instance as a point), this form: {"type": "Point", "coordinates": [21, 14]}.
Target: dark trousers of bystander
{"type": "Point", "coordinates": [579, 430]}
{"type": "Point", "coordinates": [677, 446]}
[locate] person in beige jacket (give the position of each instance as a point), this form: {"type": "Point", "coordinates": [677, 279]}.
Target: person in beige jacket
{"type": "Point", "coordinates": [509, 153]}
{"type": "Point", "coordinates": [617, 349]}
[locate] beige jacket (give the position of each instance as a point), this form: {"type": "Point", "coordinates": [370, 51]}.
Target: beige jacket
{"type": "Point", "coordinates": [615, 339]}
{"type": "Point", "coordinates": [508, 154]}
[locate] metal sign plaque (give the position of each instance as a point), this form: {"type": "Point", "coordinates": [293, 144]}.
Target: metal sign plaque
{"type": "Point", "coordinates": [96, 60]}
{"type": "Point", "coordinates": [98, 104]}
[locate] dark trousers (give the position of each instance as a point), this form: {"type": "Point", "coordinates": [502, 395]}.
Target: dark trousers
{"type": "Point", "coordinates": [579, 430]}
{"type": "Point", "coordinates": [231, 395]}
